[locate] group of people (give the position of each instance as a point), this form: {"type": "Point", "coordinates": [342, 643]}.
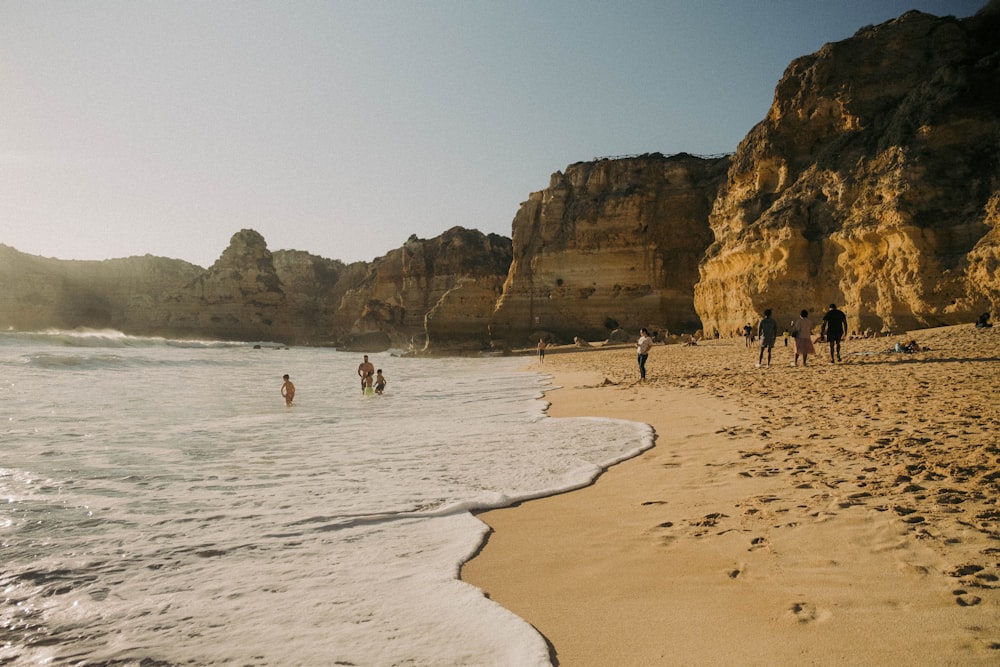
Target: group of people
{"type": "Point", "coordinates": [833, 330]}
{"type": "Point", "coordinates": [372, 382]}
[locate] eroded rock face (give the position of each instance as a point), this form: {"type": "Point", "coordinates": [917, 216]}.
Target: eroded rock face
{"type": "Point", "coordinates": [609, 243]}
{"type": "Point", "coordinates": [448, 284]}
{"type": "Point", "coordinates": [872, 183]}
{"type": "Point", "coordinates": [38, 293]}
{"type": "Point", "coordinates": [238, 298]}
{"type": "Point", "coordinates": [433, 279]}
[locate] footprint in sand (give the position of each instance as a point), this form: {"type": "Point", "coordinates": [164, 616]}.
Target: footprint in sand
{"type": "Point", "coordinates": [963, 599]}
{"type": "Point", "coordinates": [804, 612]}
{"type": "Point", "coordinates": [737, 571]}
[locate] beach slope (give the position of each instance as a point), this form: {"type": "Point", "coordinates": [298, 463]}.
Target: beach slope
{"type": "Point", "coordinates": [834, 514]}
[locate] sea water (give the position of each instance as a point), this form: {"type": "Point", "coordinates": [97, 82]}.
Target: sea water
{"type": "Point", "coordinates": [160, 505]}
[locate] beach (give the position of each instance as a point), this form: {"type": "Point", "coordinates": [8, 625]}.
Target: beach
{"type": "Point", "coordinates": [834, 514]}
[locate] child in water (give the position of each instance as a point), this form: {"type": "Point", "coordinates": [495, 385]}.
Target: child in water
{"type": "Point", "coordinates": [288, 390]}
{"type": "Point", "coordinates": [380, 382]}
{"type": "Point", "coordinates": [368, 384]}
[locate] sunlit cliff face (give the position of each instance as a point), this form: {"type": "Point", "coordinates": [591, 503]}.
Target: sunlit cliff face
{"type": "Point", "coordinates": [871, 183]}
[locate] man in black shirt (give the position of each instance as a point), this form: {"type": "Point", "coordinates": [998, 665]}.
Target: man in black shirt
{"type": "Point", "coordinates": [834, 328]}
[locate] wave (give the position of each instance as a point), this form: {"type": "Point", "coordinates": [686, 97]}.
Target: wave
{"type": "Point", "coordinates": [111, 338]}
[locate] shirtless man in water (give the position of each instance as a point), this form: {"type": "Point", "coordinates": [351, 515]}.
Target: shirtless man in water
{"type": "Point", "coordinates": [364, 368]}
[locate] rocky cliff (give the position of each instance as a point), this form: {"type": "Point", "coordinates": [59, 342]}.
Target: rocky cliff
{"type": "Point", "coordinates": [429, 294]}
{"type": "Point", "coordinates": [609, 242]}
{"type": "Point", "coordinates": [38, 293]}
{"type": "Point", "coordinates": [873, 183]}
{"type": "Point", "coordinates": [441, 289]}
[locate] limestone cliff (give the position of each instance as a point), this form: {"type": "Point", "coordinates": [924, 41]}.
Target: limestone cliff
{"type": "Point", "coordinates": [873, 183]}
{"type": "Point", "coordinates": [38, 293]}
{"type": "Point", "coordinates": [447, 285]}
{"type": "Point", "coordinates": [238, 298]}
{"type": "Point", "coordinates": [609, 243]}
{"type": "Point", "coordinates": [418, 297]}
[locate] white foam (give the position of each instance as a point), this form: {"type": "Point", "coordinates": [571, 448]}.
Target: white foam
{"type": "Point", "coordinates": [188, 515]}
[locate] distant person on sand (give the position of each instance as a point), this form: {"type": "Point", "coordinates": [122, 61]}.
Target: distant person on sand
{"type": "Point", "coordinates": [380, 382]}
{"type": "Point", "coordinates": [541, 350]}
{"type": "Point", "coordinates": [802, 337]}
{"type": "Point", "coordinates": [834, 327]}
{"type": "Point", "coordinates": [642, 349]}
{"type": "Point", "coordinates": [984, 321]}
{"type": "Point", "coordinates": [364, 369]}
{"type": "Point", "coordinates": [767, 330]}
{"type": "Point", "coordinates": [288, 390]}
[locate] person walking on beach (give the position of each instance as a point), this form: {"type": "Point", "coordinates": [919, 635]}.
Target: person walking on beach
{"type": "Point", "coordinates": [802, 338]}
{"type": "Point", "coordinates": [833, 328]}
{"type": "Point", "coordinates": [767, 331]}
{"type": "Point", "coordinates": [365, 368]}
{"type": "Point", "coordinates": [541, 350]}
{"type": "Point", "coordinates": [380, 382]}
{"type": "Point", "coordinates": [642, 349]}
{"type": "Point", "coordinates": [288, 390]}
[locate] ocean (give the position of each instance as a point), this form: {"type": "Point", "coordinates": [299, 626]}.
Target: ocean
{"type": "Point", "coordinates": [162, 506]}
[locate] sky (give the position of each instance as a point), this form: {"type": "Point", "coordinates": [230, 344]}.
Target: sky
{"type": "Point", "coordinates": [344, 127]}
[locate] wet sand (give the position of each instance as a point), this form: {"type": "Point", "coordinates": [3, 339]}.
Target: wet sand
{"type": "Point", "coordinates": [834, 514]}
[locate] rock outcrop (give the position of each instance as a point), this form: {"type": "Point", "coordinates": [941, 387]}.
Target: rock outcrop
{"type": "Point", "coordinates": [38, 293]}
{"type": "Point", "coordinates": [441, 290]}
{"type": "Point", "coordinates": [872, 183]}
{"type": "Point", "coordinates": [609, 242]}
{"type": "Point", "coordinates": [239, 297]}
{"type": "Point", "coordinates": [434, 294]}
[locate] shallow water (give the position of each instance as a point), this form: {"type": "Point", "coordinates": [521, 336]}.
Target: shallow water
{"type": "Point", "coordinates": [162, 503]}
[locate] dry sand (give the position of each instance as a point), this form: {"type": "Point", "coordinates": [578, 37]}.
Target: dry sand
{"type": "Point", "coordinates": [837, 514]}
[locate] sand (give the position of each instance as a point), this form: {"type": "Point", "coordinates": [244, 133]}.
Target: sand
{"type": "Point", "coordinates": [836, 514]}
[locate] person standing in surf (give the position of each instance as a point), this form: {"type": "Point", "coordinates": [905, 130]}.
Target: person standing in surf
{"type": "Point", "coordinates": [365, 368]}
{"type": "Point", "coordinates": [288, 391]}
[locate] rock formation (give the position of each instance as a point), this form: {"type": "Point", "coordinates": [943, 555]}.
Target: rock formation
{"type": "Point", "coordinates": [442, 289]}
{"type": "Point", "coordinates": [429, 294]}
{"type": "Point", "coordinates": [38, 293]}
{"type": "Point", "coordinates": [609, 242]}
{"type": "Point", "coordinates": [872, 183]}
{"type": "Point", "coordinates": [238, 298]}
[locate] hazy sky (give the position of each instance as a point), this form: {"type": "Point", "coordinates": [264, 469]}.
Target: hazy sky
{"type": "Point", "coordinates": [341, 128]}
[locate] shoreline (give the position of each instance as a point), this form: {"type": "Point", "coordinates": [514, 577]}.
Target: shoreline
{"type": "Point", "coordinates": [832, 514]}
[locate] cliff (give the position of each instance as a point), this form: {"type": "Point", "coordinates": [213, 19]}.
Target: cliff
{"type": "Point", "coordinates": [609, 242]}
{"type": "Point", "coordinates": [38, 293]}
{"type": "Point", "coordinates": [423, 293]}
{"type": "Point", "coordinates": [440, 290]}
{"type": "Point", "coordinates": [872, 183]}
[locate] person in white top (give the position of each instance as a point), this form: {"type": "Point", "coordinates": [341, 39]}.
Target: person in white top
{"type": "Point", "coordinates": [802, 335]}
{"type": "Point", "coordinates": [642, 348]}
